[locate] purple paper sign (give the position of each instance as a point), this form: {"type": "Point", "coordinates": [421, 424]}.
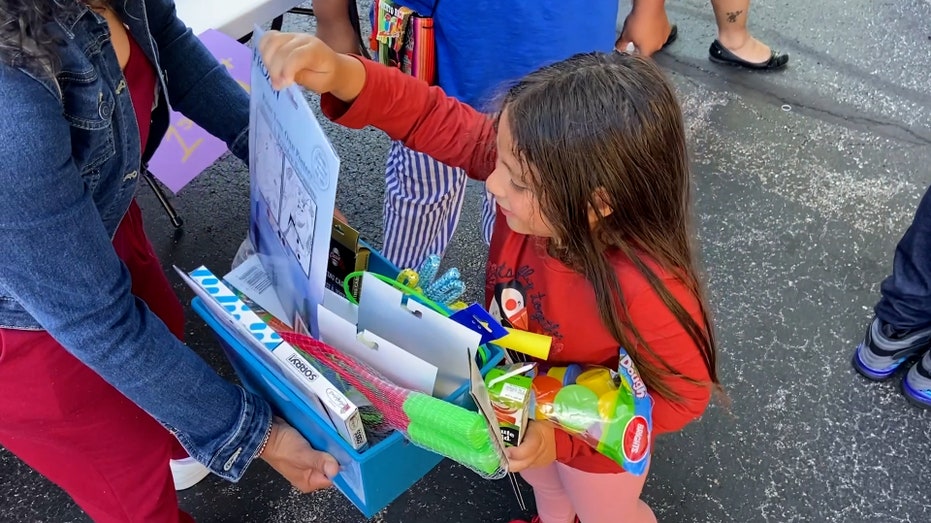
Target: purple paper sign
{"type": "Point", "coordinates": [186, 150]}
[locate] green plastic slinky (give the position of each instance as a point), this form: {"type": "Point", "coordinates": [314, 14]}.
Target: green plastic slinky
{"type": "Point", "coordinates": [484, 459]}
{"type": "Point", "coordinates": [447, 429]}
{"type": "Point", "coordinates": [448, 420]}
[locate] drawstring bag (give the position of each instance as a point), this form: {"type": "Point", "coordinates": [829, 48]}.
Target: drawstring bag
{"type": "Point", "coordinates": [404, 39]}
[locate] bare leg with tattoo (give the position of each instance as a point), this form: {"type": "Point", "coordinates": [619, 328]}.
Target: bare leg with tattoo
{"type": "Point", "coordinates": [648, 29]}
{"type": "Point", "coordinates": [731, 16]}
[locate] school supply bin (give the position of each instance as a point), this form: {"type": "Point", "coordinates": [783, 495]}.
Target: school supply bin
{"type": "Point", "coordinates": [370, 479]}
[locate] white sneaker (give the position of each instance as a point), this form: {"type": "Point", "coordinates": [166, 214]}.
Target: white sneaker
{"type": "Point", "coordinates": [187, 472]}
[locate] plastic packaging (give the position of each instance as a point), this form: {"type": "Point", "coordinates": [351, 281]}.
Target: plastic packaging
{"type": "Point", "coordinates": [610, 410]}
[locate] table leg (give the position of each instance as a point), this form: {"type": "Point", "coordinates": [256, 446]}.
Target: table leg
{"type": "Point", "coordinates": [162, 199]}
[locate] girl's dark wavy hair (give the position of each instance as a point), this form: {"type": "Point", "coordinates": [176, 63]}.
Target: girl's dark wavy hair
{"type": "Point", "coordinates": [26, 37]}
{"type": "Point", "coordinates": [605, 131]}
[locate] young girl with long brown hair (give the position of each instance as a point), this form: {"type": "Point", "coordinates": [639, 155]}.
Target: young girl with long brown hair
{"type": "Point", "coordinates": [592, 244]}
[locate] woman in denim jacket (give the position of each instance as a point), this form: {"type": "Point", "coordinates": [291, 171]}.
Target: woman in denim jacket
{"type": "Point", "coordinates": [90, 354]}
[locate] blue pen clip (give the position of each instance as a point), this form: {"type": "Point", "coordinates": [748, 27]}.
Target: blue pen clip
{"type": "Point", "coordinates": [476, 318]}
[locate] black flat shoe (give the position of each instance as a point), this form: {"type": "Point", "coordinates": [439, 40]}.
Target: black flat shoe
{"type": "Point", "coordinates": [673, 35]}
{"type": "Point", "coordinates": [719, 54]}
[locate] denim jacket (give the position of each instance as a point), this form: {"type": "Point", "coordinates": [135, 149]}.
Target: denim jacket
{"type": "Point", "coordinates": [69, 166]}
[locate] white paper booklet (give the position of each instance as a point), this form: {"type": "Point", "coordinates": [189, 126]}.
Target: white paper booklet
{"type": "Point", "coordinates": [293, 170]}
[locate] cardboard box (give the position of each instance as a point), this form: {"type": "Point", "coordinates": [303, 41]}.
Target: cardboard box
{"type": "Point", "coordinates": [510, 399]}
{"type": "Point", "coordinates": [341, 412]}
{"type": "Point", "coordinates": [347, 255]}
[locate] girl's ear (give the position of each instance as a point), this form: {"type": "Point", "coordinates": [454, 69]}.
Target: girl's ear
{"type": "Point", "coordinates": [602, 208]}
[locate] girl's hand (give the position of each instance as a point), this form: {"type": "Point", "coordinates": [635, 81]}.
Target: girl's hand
{"type": "Point", "coordinates": [304, 59]}
{"type": "Point", "coordinates": [537, 450]}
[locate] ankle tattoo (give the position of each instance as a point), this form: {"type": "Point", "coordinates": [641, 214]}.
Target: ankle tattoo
{"type": "Point", "coordinates": [732, 16]}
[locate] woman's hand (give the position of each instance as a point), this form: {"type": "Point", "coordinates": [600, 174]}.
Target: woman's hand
{"type": "Point", "coordinates": [306, 60]}
{"type": "Point", "coordinates": [537, 450]}
{"type": "Point", "coordinates": [290, 454]}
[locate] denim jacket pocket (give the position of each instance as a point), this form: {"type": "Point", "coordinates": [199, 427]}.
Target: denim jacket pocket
{"type": "Point", "coordinates": [88, 108]}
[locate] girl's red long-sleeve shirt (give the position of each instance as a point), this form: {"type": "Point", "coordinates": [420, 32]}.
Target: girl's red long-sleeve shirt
{"type": "Point", "coordinates": [530, 289]}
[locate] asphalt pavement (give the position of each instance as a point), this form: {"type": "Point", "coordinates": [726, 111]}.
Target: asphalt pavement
{"type": "Point", "coordinates": [804, 181]}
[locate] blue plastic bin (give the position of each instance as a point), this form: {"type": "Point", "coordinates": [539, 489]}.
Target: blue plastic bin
{"type": "Point", "coordinates": [371, 479]}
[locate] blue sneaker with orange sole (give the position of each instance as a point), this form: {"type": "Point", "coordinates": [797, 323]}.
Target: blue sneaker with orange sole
{"type": "Point", "coordinates": [883, 351]}
{"type": "Point", "coordinates": [917, 383]}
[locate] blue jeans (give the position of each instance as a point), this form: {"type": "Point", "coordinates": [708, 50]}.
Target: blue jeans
{"type": "Point", "coordinates": [906, 293]}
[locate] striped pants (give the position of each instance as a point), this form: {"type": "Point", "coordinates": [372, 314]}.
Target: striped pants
{"type": "Point", "coordinates": [423, 201]}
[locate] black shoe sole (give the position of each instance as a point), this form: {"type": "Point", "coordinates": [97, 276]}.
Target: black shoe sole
{"type": "Point", "coordinates": [719, 54]}
{"type": "Point", "coordinates": [673, 36]}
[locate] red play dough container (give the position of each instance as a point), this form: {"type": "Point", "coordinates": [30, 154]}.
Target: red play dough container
{"type": "Point", "coordinates": [545, 389]}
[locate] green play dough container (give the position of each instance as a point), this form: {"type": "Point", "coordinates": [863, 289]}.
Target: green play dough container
{"type": "Point", "coordinates": [576, 408]}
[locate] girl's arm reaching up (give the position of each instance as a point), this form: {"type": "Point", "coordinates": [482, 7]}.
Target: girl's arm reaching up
{"type": "Point", "coordinates": [303, 59]}
{"type": "Point", "coordinates": [358, 92]}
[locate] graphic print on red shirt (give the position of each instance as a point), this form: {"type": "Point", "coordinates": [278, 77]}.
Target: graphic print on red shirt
{"type": "Point", "coordinates": [509, 302]}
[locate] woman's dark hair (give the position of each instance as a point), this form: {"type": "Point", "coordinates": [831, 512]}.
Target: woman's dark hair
{"type": "Point", "coordinates": [26, 37]}
{"type": "Point", "coordinates": [603, 131]}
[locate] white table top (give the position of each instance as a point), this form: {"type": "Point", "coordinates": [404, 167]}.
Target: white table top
{"type": "Point", "coordinates": [233, 17]}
